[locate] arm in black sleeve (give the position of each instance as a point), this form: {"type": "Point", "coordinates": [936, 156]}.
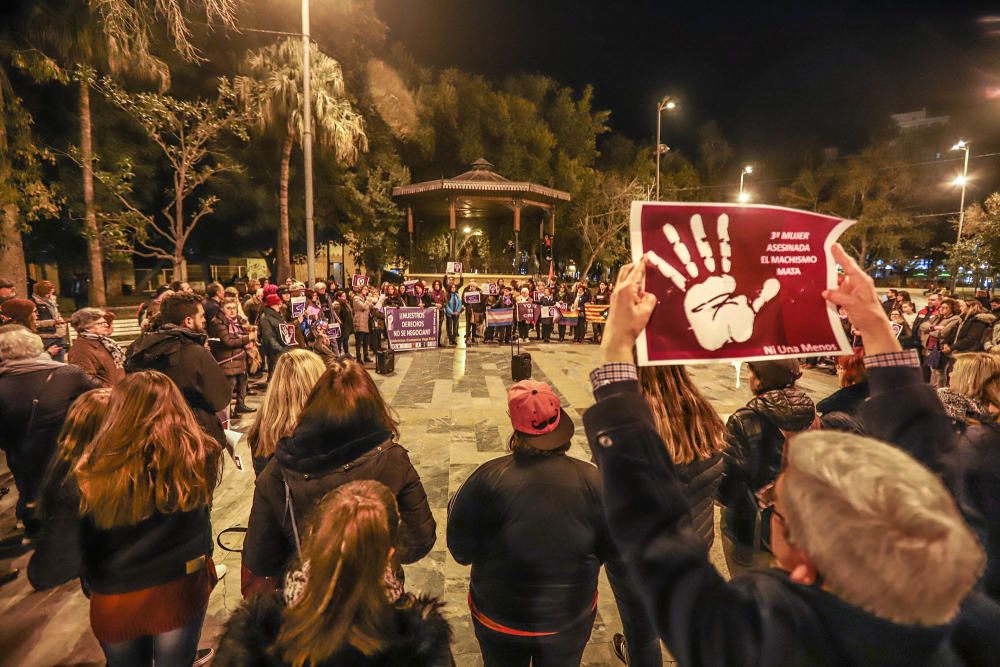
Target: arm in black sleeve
{"type": "Point", "coordinates": [418, 530]}
{"type": "Point", "coordinates": [469, 520]}
{"type": "Point", "coordinates": [213, 385]}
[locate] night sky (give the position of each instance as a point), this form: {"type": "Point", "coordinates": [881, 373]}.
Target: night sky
{"type": "Point", "coordinates": [776, 76]}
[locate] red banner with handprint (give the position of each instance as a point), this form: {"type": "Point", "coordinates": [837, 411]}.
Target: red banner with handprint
{"type": "Point", "coordinates": [737, 282]}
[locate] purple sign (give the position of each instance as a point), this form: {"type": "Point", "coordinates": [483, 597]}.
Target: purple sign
{"type": "Point", "coordinates": [527, 312]}
{"type": "Point", "coordinates": [411, 328]}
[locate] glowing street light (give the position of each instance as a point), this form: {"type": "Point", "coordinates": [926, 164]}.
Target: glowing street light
{"type": "Point", "coordinates": [744, 197]}
{"type": "Point", "coordinates": [666, 104]}
{"type": "Point", "coordinates": [467, 229]}
{"type": "Point", "coordinates": [962, 181]}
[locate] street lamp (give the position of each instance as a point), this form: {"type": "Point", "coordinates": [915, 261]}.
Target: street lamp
{"type": "Point", "coordinates": [666, 104]}
{"type": "Point", "coordinates": [466, 230]}
{"type": "Point", "coordinates": [744, 197]}
{"type": "Point", "coordinates": [307, 155]}
{"type": "Point", "coordinates": [961, 181]}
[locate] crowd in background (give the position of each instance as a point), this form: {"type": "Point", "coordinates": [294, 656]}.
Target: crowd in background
{"type": "Point", "coordinates": [883, 553]}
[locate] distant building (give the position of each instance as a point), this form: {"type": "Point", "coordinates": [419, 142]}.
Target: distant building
{"type": "Point", "coordinates": [918, 120]}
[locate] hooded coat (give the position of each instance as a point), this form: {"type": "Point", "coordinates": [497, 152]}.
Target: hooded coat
{"type": "Point", "coordinates": [756, 437]}
{"type": "Point", "coordinates": [312, 464]}
{"type": "Point", "coordinates": [29, 439]}
{"type": "Point", "coordinates": [181, 355]}
{"type": "Point", "coordinates": [422, 637]}
{"type": "Point", "coordinates": [973, 332]}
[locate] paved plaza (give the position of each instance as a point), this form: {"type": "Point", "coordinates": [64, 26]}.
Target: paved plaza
{"type": "Point", "coordinates": [452, 409]}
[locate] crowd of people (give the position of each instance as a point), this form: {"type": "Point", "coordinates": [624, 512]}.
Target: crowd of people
{"type": "Point", "coordinates": [862, 529]}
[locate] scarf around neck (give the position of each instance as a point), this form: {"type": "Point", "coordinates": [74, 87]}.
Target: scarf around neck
{"type": "Point", "coordinates": [115, 350]}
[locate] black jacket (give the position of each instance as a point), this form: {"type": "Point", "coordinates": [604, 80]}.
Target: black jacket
{"type": "Point", "coordinates": [422, 637]}
{"type": "Point", "coordinates": [30, 446]}
{"type": "Point", "coordinates": [181, 355]}
{"type": "Point", "coordinates": [533, 530]}
{"type": "Point", "coordinates": [979, 451]}
{"type": "Point", "coordinates": [270, 333]}
{"type": "Point", "coordinates": [753, 455]}
{"type": "Point", "coordinates": [760, 618]}
{"type": "Point", "coordinates": [846, 399]}
{"type": "Point", "coordinates": [314, 464]}
{"type": "Point", "coordinates": [700, 480]}
{"type": "Point", "coordinates": [972, 333]}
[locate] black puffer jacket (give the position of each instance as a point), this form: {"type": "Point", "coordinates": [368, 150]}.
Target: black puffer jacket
{"type": "Point", "coordinates": [422, 637]}
{"type": "Point", "coordinates": [846, 399]}
{"type": "Point", "coordinates": [181, 355]}
{"type": "Point", "coordinates": [753, 457]}
{"type": "Point", "coordinates": [700, 481]}
{"type": "Point", "coordinates": [313, 464]}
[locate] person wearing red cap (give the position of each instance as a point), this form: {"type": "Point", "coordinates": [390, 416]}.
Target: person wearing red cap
{"type": "Point", "coordinates": [531, 525]}
{"type": "Point", "coordinates": [271, 342]}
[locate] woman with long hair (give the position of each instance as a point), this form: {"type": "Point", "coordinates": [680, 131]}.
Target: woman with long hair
{"type": "Point", "coordinates": [345, 432]}
{"type": "Point", "coordinates": [146, 485]}
{"type": "Point", "coordinates": [56, 558]}
{"type": "Point", "coordinates": [293, 377]}
{"type": "Point", "coordinates": [337, 607]}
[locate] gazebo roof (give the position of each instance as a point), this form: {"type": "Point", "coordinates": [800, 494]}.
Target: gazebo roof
{"type": "Point", "coordinates": [481, 181]}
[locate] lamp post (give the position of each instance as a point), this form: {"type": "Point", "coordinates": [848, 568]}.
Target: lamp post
{"type": "Point", "coordinates": [744, 197]}
{"type": "Point", "coordinates": [307, 156]}
{"type": "Point", "coordinates": [665, 104]}
{"type": "Point", "coordinates": [962, 180]}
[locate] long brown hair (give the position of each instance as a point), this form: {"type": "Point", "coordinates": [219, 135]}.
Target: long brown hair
{"type": "Point", "coordinates": [347, 545]}
{"type": "Point", "coordinates": [83, 420]}
{"type": "Point", "coordinates": [687, 423]}
{"type": "Point", "coordinates": [347, 401]}
{"type": "Point", "coordinates": [149, 456]}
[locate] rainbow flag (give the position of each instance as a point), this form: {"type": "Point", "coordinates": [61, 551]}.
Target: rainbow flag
{"type": "Point", "coordinates": [596, 312]}
{"type": "Point", "coordinates": [500, 317]}
{"type": "Point", "coordinates": [568, 317]}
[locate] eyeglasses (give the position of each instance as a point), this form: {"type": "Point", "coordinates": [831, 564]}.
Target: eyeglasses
{"type": "Point", "coordinates": [767, 497]}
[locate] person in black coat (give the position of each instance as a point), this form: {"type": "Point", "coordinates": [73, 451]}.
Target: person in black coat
{"type": "Point", "coordinates": [35, 394]}
{"type": "Point", "coordinates": [974, 329]}
{"type": "Point", "coordinates": [853, 390]}
{"type": "Point", "coordinates": [852, 592]}
{"type": "Point", "coordinates": [177, 349]}
{"type": "Point", "coordinates": [272, 341]}
{"type": "Point", "coordinates": [345, 433]}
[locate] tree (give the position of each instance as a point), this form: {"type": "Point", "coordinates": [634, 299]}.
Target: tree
{"type": "Point", "coordinates": [24, 196]}
{"type": "Point", "coordinates": [272, 94]}
{"type": "Point", "coordinates": [602, 221]}
{"type": "Point", "coordinates": [188, 134]}
{"type": "Point", "coordinates": [114, 36]}
{"type": "Point", "coordinates": [810, 190]}
{"type": "Point", "coordinates": [979, 248]}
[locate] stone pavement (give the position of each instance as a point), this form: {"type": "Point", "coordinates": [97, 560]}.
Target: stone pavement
{"type": "Point", "coordinates": [452, 409]}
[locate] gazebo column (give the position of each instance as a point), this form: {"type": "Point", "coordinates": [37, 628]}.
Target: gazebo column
{"type": "Point", "coordinates": [552, 235]}
{"type": "Point", "coordinates": [451, 227]}
{"type": "Point", "coordinates": [409, 228]}
{"type": "Point", "coordinates": [517, 234]}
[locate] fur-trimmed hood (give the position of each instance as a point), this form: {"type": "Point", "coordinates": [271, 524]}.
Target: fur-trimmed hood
{"type": "Point", "coordinates": [423, 637]}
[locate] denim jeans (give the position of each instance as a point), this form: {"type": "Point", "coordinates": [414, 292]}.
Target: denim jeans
{"type": "Point", "coordinates": [176, 648]}
{"type": "Point", "coordinates": [640, 633]}
{"type": "Point", "coordinates": [564, 649]}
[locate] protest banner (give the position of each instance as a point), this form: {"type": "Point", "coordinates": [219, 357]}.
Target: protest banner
{"type": "Point", "coordinates": [596, 312]}
{"type": "Point", "coordinates": [567, 316]}
{"type": "Point", "coordinates": [471, 297]}
{"type": "Point", "coordinates": [547, 312]}
{"type": "Point", "coordinates": [333, 330]}
{"type": "Point", "coordinates": [358, 281]}
{"type": "Point", "coordinates": [287, 333]}
{"type": "Point", "coordinates": [500, 317]}
{"type": "Point", "coordinates": [537, 295]}
{"type": "Point", "coordinates": [527, 312]}
{"type": "Point", "coordinates": [454, 267]}
{"type": "Point", "coordinates": [411, 328]}
{"type": "Point", "coordinates": [313, 311]}
{"type": "Point", "coordinates": [492, 289]}
{"type": "Point", "coordinates": [737, 282]}
{"type": "Point", "coordinates": [298, 306]}
{"type": "Point", "coordinates": [409, 285]}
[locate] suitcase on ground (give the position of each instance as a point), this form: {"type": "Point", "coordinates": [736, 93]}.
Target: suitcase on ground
{"type": "Point", "coordinates": [385, 361]}
{"type": "Point", "coordinates": [520, 363]}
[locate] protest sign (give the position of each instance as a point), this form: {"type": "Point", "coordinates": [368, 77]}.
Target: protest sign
{"type": "Point", "coordinates": [500, 317]}
{"type": "Point", "coordinates": [596, 312]}
{"type": "Point", "coordinates": [287, 332]}
{"type": "Point", "coordinates": [471, 297]}
{"type": "Point", "coordinates": [737, 282]}
{"type": "Point", "coordinates": [547, 312]}
{"type": "Point", "coordinates": [492, 289]}
{"type": "Point", "coordinates": [298, 306]}
{"type": "Point", "coordinates": [409, 285]}
{"type": "Point", "coordinates": [313, 311]}
{"type": "Point", "coordinates": [537, 295]}
{"type": "Point", "coordinates": [526, 312]}
{"type": "Point", "coordinates": [454, 267]}
{"type": "Point", "coordinates": [359, 281]}
{"type": "Point", "coordinates": [333, 330]}
{"type": "Point", "coordinates": [411, 328]}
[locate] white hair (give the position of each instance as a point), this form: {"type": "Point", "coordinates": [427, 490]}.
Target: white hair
{"type": "Point", "coordinates": [883, 531]}
{"type": "Point", "coordinates": [17, 342]}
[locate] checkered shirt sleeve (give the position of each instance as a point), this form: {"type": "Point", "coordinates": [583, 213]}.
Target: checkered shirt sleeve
{"type": "Point", "coordinates": [901, 358]}
{"type": "Point", "coordinates": [615, 371]}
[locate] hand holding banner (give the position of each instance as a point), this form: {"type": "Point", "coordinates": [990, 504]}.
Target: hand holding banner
{"type": "Point", "coordinates": [747, 285]}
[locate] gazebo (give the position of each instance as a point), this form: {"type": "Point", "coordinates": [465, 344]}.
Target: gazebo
{"type": "Point", "coordinates": [480, 195]}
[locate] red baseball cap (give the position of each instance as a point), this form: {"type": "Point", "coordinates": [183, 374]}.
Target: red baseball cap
{"type": "Point", "coordinates": [536, 414]}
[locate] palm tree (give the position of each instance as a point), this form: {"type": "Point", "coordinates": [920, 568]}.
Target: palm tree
{"type": "Point", "coordinates": [272, 94]}
{"type": "Point", "coordinates": [115, 36]}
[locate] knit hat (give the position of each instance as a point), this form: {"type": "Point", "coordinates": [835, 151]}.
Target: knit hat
{"type": "Point", "coordinates": [270, 289]}
{"type": "Point", "coordinates": [536, 414]}
{"type": "Point", "coordinates": [272, 300]}
{"type": "Point", "coordinates": [776, 373]}
{"type": "Point", "coordinates": [18, 310]}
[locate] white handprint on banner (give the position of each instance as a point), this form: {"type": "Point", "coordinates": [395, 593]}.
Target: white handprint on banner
{"type": "Point", "coordinates": [716, 316]}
